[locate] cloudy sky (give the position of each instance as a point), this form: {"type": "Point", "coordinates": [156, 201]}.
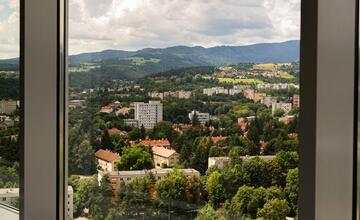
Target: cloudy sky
{"type": "Point", "coordinates": [135, 24]}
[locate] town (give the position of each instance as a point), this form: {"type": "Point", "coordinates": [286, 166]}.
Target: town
{"type": "Point", "coordinates": [183, 144]}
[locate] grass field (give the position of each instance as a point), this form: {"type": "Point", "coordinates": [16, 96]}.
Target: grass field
{"type": "Point", "coordinates": [239, 81]}
{"type": "Point", "coordinates": [85, 67]}
{"type": "Point", "coordinates": [286, 75]}
{"type": "Point", "coordinates": [141, 61]}
{"type": "Point", "coordinates": [269, 66]}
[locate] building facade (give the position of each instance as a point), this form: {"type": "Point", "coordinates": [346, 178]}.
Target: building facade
{"type": "Point", "coordinates": [148, 114]}
{"type": "Point", "coordinates": [164, 157]}
{"type": "Point", "coordinates": [296, 101]}
{"type": "Point", "coordinates": [286, 107]}
{"type": "Point", "coordinates": [202, 117]}
{"type": "Point", "coordinates": [107, 160]}
{"type": "Point", "coordinates": [8, 106]}
{"type": "Point", "coordinates": [269, 100]}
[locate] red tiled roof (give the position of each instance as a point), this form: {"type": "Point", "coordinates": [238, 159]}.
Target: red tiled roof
{"type": "Point", "coordinates": [106, 155]}
{"type": "Point", "coordinates": [149, 142]}
{"type": "Point", "coordinates": [115, 131]}
{"type": "Point", "coordinates": [217, 139]}
{"type": "Point", "coordinates": [161, 151]}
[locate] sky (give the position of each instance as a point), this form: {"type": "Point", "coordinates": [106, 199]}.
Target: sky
{"type": "Point", "coordinates": [97, 25]}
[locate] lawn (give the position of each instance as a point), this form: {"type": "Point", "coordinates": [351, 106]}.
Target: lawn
{"type": "Point", "coordinates": [138, 61]}
{"type": "Point", "coordinates": [286, 75]}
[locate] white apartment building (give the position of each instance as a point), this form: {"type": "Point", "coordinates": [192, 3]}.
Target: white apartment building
{"type": "Point", "coordinates": [10, 196]}
{"type": "Point", "coordinates": [70, 202]}
{"type": "Point", "coordinates": [8, 106]}
{"type": "Point", "coordinates": [128, 176]}
{"type": "Point", "coordinates": [268, 100]}
{"type": "Point", "coordinates": [148, 114]}
{"type": "Point", "coordinates": [202, 117]}
{"type": "Point", "coordinates": [286, 107]}
{"type": "Point", "coordinates": [215, 90]}
{"type": "Point", "coordinates": [223, 161]}
{"type": "Point", "coordinates": [276, 86]}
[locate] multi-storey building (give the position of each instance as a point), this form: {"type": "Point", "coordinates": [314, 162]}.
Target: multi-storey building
{"type": "Point", "coordinates": [268, 100]}
{"type": "Point", "coordinates": [148, 114]}
{"type": "Point", "coordinates": [10, 196]}
{"type": "Point", "coordinates": [224, 161]}
{"type": "Point", "coordinates": [164, 157]}
{"type": "Point", "coordinates": [296, 101]}
{"type": "Point", "coordinates": [8, 106]}
{"type": "Point", "coordinates": [107, 160]}
{"type": "Point", "coordinates": [286, 107]}
{"type": "Point", "coordinates": [128, 176]}
{"type": "Point", "coordinates": [215, 90]}
{"type": "Point", "coordinates": [73, 104]}
{"type": "Point", "coordinates": [202, 117]}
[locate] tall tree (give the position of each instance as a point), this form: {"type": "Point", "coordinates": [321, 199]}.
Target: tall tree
{"type": "Point", "coordinates": [215, 189]}
{"type": "Point", "coordinates": [137, 157]}
{"type": "Point", "coordinates": [292, 189]}
{"type": "Point", "coordinates": [274, 210]}
{"type": "Point", "coordinates": [106, 142]}
{"type": "Point", "coordinates": [84, 159]}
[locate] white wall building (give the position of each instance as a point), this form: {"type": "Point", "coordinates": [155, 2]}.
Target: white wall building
{"type": "Point", "coordinates": [215, 90]}
{"type": "Point", "coordinates": [202, 117]}
{"type": "Point", "coordinates": [10, 196]}
{"type": "Point", "coordinates": [268, 100]}
{"type": "Point", "coordinates": [128, 176]}
{"type": "Point", "coordinates": [286, 107]}
{"type": "Point", "coordinates": [148, 114]}
{"type": "Point", "coordinates": [107, 160]}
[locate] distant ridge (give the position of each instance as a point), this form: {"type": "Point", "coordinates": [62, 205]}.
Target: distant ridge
{"type": "Point", "coordinates": [120, 64]}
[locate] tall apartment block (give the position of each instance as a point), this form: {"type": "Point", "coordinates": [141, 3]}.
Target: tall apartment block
{"type": "Point", "coordinates": [148, 114]}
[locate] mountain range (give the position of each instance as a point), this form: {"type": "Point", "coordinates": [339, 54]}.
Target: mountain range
{"type": "Point", "coordinates": [119, 64]}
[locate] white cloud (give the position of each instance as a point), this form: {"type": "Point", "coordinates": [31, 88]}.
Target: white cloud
{"type": "Point", "coordinates": [133, 24]}
{"type": "Point", "coordinates": [9, 29]}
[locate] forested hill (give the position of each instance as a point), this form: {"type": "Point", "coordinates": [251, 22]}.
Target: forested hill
{"type": "Point", "coordinates": [118, 64]}
{"type": "Point", "coordinates": [222, 55]}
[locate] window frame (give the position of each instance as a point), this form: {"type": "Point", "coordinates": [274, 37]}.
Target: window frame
{"type": "Point", "coordinates": [328, 41]}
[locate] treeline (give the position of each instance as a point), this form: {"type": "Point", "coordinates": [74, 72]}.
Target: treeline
{"type": "Point", "coordinates": [9, 88]}
{"type": "Point", "coordinates": [243, 189]}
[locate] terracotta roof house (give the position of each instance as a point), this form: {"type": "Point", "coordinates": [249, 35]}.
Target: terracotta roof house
{"type": "Point", "coordinates": [164, 156]}
{"type": "Point", "coordinates": [115, 131]}
{"type": "Point", "coordinates": [219, 138]}
{"type": "Point", "coordinates": [107, 160]}
{"type": "Point", "coordinates": [160, 143]}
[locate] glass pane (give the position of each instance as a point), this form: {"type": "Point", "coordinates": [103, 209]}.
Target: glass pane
{"type": "Point", "coordinates": [183, 109]}
{"type": "Point", "coordinates": [9, 108]}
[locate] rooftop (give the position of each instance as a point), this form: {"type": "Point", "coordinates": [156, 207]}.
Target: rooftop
{"type": "Point", "coordinates": [115, 131]}
{"type": "Point", "coordinates": [149, 142]}
{"type": "Point", "coordinates": [161, 151]}
{"type": "Point", "coordinates": [106, 155]}
{"type": "Point", "coordinates": [154, 171]}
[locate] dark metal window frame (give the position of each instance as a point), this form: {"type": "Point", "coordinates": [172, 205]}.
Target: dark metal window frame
{"type": "Point", "coordinates": [328, 109]}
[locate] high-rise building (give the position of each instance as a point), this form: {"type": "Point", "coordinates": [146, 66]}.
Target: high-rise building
{"type": "Point", "coordinates": [148, 114]}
